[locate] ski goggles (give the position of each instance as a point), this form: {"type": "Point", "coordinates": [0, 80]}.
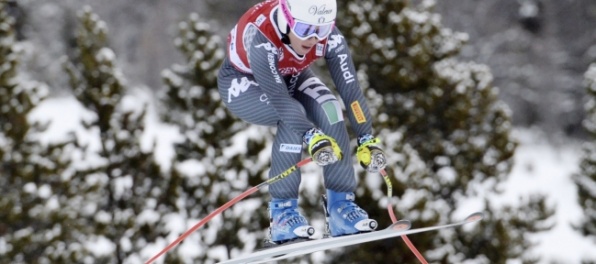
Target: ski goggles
{"type": "Point", "coordinates": [304, 31]}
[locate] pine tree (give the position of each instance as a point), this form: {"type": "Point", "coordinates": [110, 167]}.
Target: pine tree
{"type": "Point", "coordinates": [586, 178]}
{"type": "Point", "coordinates": [33, 227]}
{"type": "Point", "coordinates": [443, 126]}
{"type": "Point", "coordinates": [121, 185]}
{"type": "Point", "coordinates": [211, 137]}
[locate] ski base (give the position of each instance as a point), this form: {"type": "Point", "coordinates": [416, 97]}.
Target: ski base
{"type": "Point", "coordinates": [399, 228]}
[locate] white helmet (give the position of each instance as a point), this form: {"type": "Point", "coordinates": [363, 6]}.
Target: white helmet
{"type": "Point", "coordinates": [318, 13]}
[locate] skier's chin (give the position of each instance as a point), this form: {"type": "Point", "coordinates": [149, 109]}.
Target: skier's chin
{"type": "Point", "coordinates": [303, 50]}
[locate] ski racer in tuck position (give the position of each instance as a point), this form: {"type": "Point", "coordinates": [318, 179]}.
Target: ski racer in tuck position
{"type": "Point", "coordinates": [265, 79]}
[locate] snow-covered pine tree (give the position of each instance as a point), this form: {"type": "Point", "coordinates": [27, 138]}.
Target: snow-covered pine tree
{"type": "Point", "coordinates": [586, 178]}
{"type": "Point", "coordinates": [31, 229]}
{"type": "Point", "coordinates": [453, 133]}
{"type": "Point", "coordinates": [123, 193]}
{"type": "Point", "coordinates": [219, 155]}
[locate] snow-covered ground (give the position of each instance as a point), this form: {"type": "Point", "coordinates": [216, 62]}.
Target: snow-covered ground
{"type": "Point", "coordinates": [546, 168]}
{"type": "Point", "coordinates": [540, 167]}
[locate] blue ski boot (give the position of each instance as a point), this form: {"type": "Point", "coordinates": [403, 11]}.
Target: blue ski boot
{"type": "Point", "coordinates": [344, 217]}
{"type": "Point", "coordinates": [286, 223]}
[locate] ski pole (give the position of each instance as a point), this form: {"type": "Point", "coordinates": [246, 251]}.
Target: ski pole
{"type": "Point", "coordinates": [227, 205]}
{"type": "Point", "coordinates": [394, 219]}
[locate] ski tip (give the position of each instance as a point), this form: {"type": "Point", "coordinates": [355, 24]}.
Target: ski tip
{"type": "Point", "coordinates": [474, 217]}
{"type": "Point", "coordinates": [401, 225]}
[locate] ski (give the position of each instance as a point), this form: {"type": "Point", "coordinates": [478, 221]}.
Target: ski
{"type": "Point", "coordinates": [399, 228]}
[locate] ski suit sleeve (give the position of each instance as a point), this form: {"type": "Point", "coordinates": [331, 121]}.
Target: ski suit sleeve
{"type": "Point", "coordinates": [343, 72]}
{"type": "Point", "coordinates": [263, 58]}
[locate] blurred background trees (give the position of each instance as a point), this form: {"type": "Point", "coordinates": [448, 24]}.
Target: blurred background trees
{"type": "Point", "coordinates": [586, 178]}
{"type": "Point", "coordinates": [31, 170]}
{"type": "Point", "coordinates": [538, 52]}
{"type": "Point", "coordinates": [121, 183]}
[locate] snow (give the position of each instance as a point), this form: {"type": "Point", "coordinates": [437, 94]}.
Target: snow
{"type": "Point", "coordinates": [540, 167]}
{"type": "Point", "coordinates": [105, 55]}
{"type": "Point", "coordinates": [100, 246]}
{"type": "Point", "coordinates": [528, 9]}
{"type": "Point", "coordinates": [65, 114]}
{"type": "Point", "coordinates": [546, 168]}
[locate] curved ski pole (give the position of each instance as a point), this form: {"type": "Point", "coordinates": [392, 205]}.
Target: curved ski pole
{"type": "Point", "coordinates": [227, 205]}
{"type": "Point", "coordinates": [394, 219]}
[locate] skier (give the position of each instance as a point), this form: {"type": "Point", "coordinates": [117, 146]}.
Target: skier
{"type": "Point", "coordinates": [265, 79]}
